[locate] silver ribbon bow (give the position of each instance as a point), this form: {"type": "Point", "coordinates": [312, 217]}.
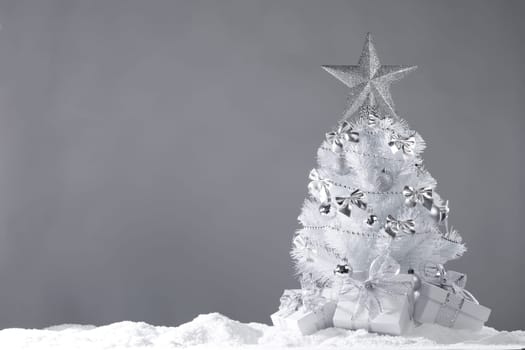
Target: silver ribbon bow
{"type": "Point", "coordinates": [291, 301]}
{"type": "Point", "coordinates": [311, 290]}
{"type": "Point", "coordinates": [382, 282]}
{"type": "Point", "coordinates": [339, 137]}
{"type": "Point", "coordinates": [393, 226]}
{"type": "Point", "coordinates": [451, 281]}
{"type": "Point", "coordinates": [356, 198]}
{"type": "Point", "coordinates": [405, 144]}
{"type": "Point", "coordinates": [421, 195]}
{"type": "Point", "coordinates": [319, 187]}
{"type": "Point", "coordinates": [303, 244]}
{"type": "Point", "coordinates": [313, 302]}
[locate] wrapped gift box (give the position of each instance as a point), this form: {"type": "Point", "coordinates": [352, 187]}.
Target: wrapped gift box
{"type": "Point", "coordinates": [278, 318]}
{"type": "Point", "coordinates": [291, 300]}
{"type": "Point", "coordinates": [306, 319]}
{"type": "Point", "coordinates": [449, 309]}
{"type": "Point", "coordinates": [394, 316]}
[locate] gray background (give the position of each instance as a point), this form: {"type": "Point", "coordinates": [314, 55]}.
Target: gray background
{"type": "Point", "coordinates": [154, 154]}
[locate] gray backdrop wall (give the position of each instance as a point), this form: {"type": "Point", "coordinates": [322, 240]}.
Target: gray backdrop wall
{"type": "Point", "coordinates": [154, 154]}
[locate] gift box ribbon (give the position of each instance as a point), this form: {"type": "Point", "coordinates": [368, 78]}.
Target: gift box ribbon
{"type": "Point", "coordinates": [382, 282]}
{"type": "Point", "coordinates": [290, 301]}
{"type": "Point", "coordinates": [454, 283]}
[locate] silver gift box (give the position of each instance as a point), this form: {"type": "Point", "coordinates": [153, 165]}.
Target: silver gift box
{"type": "Point", "coordinates": [437, 305]}
{"type": "Point", "coordinates": [395, 318]}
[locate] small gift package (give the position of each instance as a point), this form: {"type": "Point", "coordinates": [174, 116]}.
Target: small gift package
{"type": "Point", "coordinates": [443, 300]}
{"type": "Point", "coordinates": [290, 302]}
{"type": "Point", "coordinates": [382, 303]}
{"type": "Point", "coordinates": [305, 315]}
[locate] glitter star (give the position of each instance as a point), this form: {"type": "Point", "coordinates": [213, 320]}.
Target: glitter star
{"type": "Point", "coordinates": [369, 81]}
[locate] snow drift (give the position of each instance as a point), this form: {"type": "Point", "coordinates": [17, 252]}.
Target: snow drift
{"type": "Point", "coordinates": [215, 331]}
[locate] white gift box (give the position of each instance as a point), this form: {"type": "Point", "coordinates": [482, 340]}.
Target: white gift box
{"type": "Point", "coordinates": [306, 320]}
{"type": "Point", "coordinates": [310, 321]}
{"type": "Point", "coordinates": [394, 318]}
{"type": "Point", "coordinates": [437, 305]}
{"type": "Point", "coordinates": [278, 317]}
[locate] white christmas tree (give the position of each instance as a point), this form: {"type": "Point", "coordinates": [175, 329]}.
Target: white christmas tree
{"type": "Point", "coordinates": [370, 192]}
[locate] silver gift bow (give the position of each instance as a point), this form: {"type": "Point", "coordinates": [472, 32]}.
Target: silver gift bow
{"type": "Point", "coordinates": [339, 137]}
{"type": "Point", "coordinates": [452, 281]}
{"type": "Point", "coordinates": [310, 293]}
{"type": "Point", "coordinates": [356, 198]}
{"type": "Point", "coordinates": [290, 301]}
{"type": "Point", "coordinates": [400, 143]}
{"type": "Point", "coordinates": [313, 302]}
{"type": "Point", "coordinates": [421, 195]}
{"type": "Point", "coordinates": [381, 282]}
{"type": "Point", "coordinates": [393, 226]}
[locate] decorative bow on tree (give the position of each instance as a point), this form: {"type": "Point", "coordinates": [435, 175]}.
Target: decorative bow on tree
{"type": "Point", "coordinates": [383, 281]}
{"type": "Point", "coordinates": [421, 195]}
{"type": "Point", "coordinates": [319, 188]}
{"type": "Point", "coordinates": [300, 242]}
{"type": "Point", "coordinates": [405, 144]}
{"type": "Point", "coordinates": [356, 198]}
{"type": "Point", "coordinates": [303, 244]}
{"type": "Point", "coordinates": [339, 137]}
{"type": "Point", "coordinates": [393, 226]}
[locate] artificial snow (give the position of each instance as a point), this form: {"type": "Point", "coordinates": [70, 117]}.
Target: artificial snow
{"type": "Point", "coordinates": [215, 331]}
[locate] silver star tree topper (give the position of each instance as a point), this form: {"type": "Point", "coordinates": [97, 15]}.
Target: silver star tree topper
{"type": "Point", "coordinates": [369, 81]}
